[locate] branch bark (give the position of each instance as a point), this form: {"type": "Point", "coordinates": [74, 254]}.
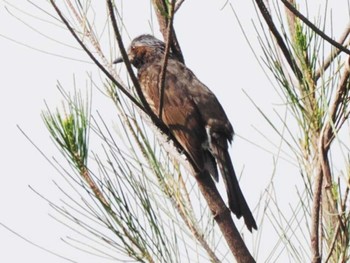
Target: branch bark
{"type": "Point", "coordinates": [315, 217]}
{"type": "Point", "coordinates": [222, 216]}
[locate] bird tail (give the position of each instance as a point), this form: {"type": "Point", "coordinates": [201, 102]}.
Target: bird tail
{"type": "Point", "coordinates": [236, 200]}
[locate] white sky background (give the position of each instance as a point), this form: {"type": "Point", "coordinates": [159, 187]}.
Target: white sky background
{"type": "Point", "coordinates": [214, 48]}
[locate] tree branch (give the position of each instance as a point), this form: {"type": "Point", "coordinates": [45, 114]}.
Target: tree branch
{"type": "Point", "coordinates": [268, 19]}
{"type": "Point", "coordinates": [335, 106]}
{"type": "Point", "coordinates": [223, 218]}
{"type": "Point", "coordinates": [315, 216]}
{"type": "Point", "coordinates": [162, 12]}
{"type": "Point", "coordinates": [315, 28]}
{"type": "Point", "coordinates": [125, 56]}
{"type": "Point", "coordinates": [331, 249]}
{"type": "Point", "coordinates": [323, 172]}
{"type": "Point", "coordinates": [178, 5]}
{"type": "Point", "coordinates": [334, 53]}
{"type": "Point", "coordinates": [101, 67]}
{"type": "Point", "coordinates": [165, 59]}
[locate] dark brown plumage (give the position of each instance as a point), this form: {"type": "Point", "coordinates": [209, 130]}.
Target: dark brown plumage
{"type": "Point", "coordinates": [193, 115]}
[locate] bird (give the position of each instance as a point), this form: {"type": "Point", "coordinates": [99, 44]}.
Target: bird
{"type": "Point", "coordinates": [192, 114]}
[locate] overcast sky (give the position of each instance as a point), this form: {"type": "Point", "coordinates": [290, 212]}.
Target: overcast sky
{"type": "Point", "coordinates": [32, 63]}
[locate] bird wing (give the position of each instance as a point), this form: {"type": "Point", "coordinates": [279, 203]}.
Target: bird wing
{"type": "Point", "coordinates": [211, 109]}
{"type": "Point", "coordinates": [180, 113]}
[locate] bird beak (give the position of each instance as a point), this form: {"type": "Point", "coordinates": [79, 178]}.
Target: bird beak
{"type": "Point", "coordinates": [118, 60]}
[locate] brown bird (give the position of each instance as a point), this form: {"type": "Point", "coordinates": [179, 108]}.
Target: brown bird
{"type": "Point", "coordinates": [193, 115]}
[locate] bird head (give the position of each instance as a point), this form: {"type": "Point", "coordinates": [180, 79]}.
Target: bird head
{"type": "Point", "coordinates": [144, 49]}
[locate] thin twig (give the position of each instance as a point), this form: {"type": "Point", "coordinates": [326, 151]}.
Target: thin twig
{"type": "Point", "coordinates": [125, 56]}
{"type": "Point", "coordinates": [195, 230]}
{"type": "Point", "coordinates": [161, 8]}
{"type": "Point", "coordinates": [178, 5]}
{"type": "Point", "coordinates": [343, 205]}
{"type": "Point", "coordinates": [165, 60]}
{"type": "Point", "coordinates": [268, 19]}
{"type": "Point", "coordinates": [340, 93]}
{"type": "Point", "coordinates": [315, 28]}
{"type": "Point", "coordinates": [335, 234]}
{"type": "Point", "coordinates": [101, 67]}
{"type": "Point", "coordinates": [334, 53]}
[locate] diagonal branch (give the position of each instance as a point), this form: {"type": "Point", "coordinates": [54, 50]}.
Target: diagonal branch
{"type": "Point", "coordinates": [334, 53]}
{"type": "Point", "coordinates": [315, 28]}
{"type": "Point", "coordinates": [223, 218]}
{"type": "Point", "coordinates": [101, 67]}
{"type": "Point", "coordinates": [178, 5]}
{"type": "Point", "coordinates": [125, 57]}
{"type": "Point", "coordinates": [268, 19]}
{"type": "Point", "coordinates": [335, 106]}
{"type": "Point", "coordinates": [221, 213]}
{"type": "Point", "coordinates": [333, 243]}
